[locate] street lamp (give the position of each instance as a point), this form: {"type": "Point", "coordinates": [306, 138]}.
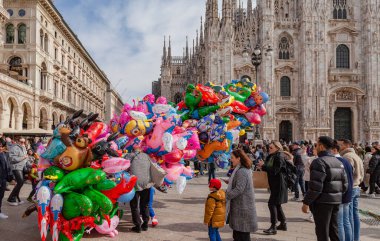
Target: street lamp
{"type": "Point", "coordinates": [256, 61]}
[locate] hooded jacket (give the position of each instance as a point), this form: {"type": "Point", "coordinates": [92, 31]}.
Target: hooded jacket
{"type": "Point", "coordinates": [215, 210]}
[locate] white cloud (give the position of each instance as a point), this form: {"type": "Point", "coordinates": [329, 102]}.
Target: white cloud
{"type": "Point", "coordinates": [125, 38]}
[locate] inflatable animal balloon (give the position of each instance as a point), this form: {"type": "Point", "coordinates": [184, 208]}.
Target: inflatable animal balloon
{"type": "Point", "coordinates": [181, 184]}
{"type": "Point", "coordinates": [109, 228]}
{"type": "Point", "coordinates": [205, 123]}
{"type": "Point", "coordinates": [253, 118]}
{"type": "Point", "coordinates": [138, 128]}
{"type": "Point", "coordinates": [208, 94]}
{"type": "Point", "coordinates": [191, 99]}
{"type": "Point", "coordinates": [115, 164]}
{"type": "Point", "coordinates": [210, 148]}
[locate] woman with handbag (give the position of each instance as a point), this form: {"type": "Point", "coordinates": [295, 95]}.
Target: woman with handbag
{"type": "Point", "coordinates": [240, 206]}
{"type": "Point", "coordinates": [275, 166]}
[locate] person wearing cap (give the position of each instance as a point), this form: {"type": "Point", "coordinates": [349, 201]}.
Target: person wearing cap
{"type": "Point", "coordinates": [298, 163]}
{"type": "Point", "coordinates": [18, 158]}
{"type": "Point", "coordinates": [240, 205]}
{"type": "Point", "coordinates": [215, 210]}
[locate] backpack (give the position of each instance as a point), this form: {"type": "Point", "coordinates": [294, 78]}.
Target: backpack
{"type": "Point", "coordinates": [291, 174]}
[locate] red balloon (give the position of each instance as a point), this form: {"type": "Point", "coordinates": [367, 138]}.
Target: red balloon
{"type": "Point", "coordinates": [208, 94]}
{"type": "Point", "coordinates": [181, 105]}
{"type": "Point", "coordinates": [253, 117]}
{"type": "Point", "coordinates": [238, 107]}
{"type": "Point", "coordinates": [259, 109]}
{"type": "Point", "coordinates": [173, 157]}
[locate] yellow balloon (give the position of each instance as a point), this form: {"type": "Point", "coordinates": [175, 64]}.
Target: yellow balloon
{"type": "Point", "coordinates": [242, 132]}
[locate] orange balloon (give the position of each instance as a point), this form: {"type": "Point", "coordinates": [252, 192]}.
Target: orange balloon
{"type": "Point", "coordinates": [211, 147]}
{"type": "Point", "coordinates": [233, 124]}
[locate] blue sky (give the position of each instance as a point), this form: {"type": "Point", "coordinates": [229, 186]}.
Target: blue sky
{"type": "Point", "coordinates": [125, 37]}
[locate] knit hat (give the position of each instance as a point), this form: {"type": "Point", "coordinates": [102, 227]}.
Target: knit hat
{"type": "Point", "coordinates": [215, 183]}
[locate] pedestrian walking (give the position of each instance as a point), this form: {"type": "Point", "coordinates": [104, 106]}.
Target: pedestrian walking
{"type": "Point", "coordinates": [140, 167]}
{"type": "Point", "coordinates": [347, 152]}
{"type": "Point", "coordinates": [152, 214]}
{"type": "Point", "coordinates": [211, 168]}
{"type": "Point", "coordinates": [328, 182]}
{"type": "Point", "coordinates": [275, 166]}
{"type": "Point", "coordinates": [306, 176]}
{"type": "Point", "coordinates": [374, 171]}
{"type": "Point", "coordinates": [298, 163]}
{"type": "Point", "coordinates": [368, 155]}
{"type": "Point", "coordinates": [240, 206]}
{"type": "Point", "coordinates": [18, 158]}
{"type": "Point", "coordinates": [215, 210]}
{"type": "Point", "coordinates": [344, 222]}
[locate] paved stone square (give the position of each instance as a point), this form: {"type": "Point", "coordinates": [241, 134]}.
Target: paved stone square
{"type": "Point", "coordinates": [180, 218]}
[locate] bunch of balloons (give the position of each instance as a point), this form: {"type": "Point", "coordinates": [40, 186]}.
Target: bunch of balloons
{"type": "Point", "coordinates": [83, 177]}
{"type": "Point", "coordinates": [220, 114]}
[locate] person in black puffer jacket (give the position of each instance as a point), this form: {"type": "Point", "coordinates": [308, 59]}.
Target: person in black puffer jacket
{"type": "Point", "coordinates": [328, 183]}
{"type": "Point", "coordinates": [374, 171]}
{"type": "Point", "coordinates": [5, 174]}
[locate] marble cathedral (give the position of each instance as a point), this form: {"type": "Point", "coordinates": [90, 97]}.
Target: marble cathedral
{"type": "Point", "coordinates": [320, 63]}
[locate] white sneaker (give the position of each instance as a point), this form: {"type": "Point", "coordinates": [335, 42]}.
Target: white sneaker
{"type": "Point", "coordinates": [372, 195]}
{"type": "Point", "coordinates": [12, 203]}
{"type": "Point", "coordinates": [295, 199]}
{"type": "Point", "coordinates": [21, 202]}
{"type": "Point", "coordinates": [311, 219]}
{"type": "Point", "coordinates": [3, 216]}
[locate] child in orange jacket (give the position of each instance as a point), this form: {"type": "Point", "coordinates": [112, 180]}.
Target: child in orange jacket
{"type": "Point", "coordinates": [215, 210]}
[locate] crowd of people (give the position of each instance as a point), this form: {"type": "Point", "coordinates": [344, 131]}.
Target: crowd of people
{"type": "Point", "coordinates": [330, 174]}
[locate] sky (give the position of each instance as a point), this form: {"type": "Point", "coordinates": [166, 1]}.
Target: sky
{"type": "Point", "coordinates": [125, 37]}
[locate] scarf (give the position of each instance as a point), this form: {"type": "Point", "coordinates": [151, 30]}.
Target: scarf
{"type": "Point", "coordinates": [229, 188]}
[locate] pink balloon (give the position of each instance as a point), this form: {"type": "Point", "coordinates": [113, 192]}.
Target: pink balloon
{"type": "Point", "coordinates": [115, 165]}
{"type": "Point", "coordinates": [149, 98]}
{"type": "Point", "coordinates": [154, 140]}
{"type": "Point", "coordinates": [173, 171]}
{"type": "Point", "coordinates": [189, 154]}
{"type": "Point", "coordinates": [187, 171]}
{"type": "Point", "coordinates": [161, 100]}
{"type": "Point", "coordinates": [110, 230]}
{"type": "Point", "coordinates": [193, 142]}
{"type": "Point", "coordinates": [253, 117]}
{"type": "Point", "coordinates": [259, 109]}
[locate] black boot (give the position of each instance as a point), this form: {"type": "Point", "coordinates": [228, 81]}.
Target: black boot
{"type": "Point", "coordinates": [272, 230]}
{"type": "Point", "coordinates": [136, 229]}
{"type": "Point", "coordinates": [282, 227]}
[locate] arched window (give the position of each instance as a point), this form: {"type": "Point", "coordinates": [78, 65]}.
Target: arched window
{"type": "Point", "coordinates": [15, 65]}
{"type": "Point", "coordinates": [178, 70]}
{"type": "Point", "coordinates": [10, 39]}
{"type": "Point", "coordinates": [285, 48]}
{"type": "Point", "coordinates": [285, 88]}
{"type": "Point", "coordinates": [43, 76]}
{"type": "Point", "coordinates": [342, 56]}
{"type": "Point", "coordinates": [22, 34]}
{"type": "Point", "coordinates": [340, 9]}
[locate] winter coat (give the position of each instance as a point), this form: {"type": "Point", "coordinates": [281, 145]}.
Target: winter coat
{"type": "Point", "coordinates": [140, 167]}
{"type": "Point", "coordinates": [356, 163]}
{"type": "Point", "coordinates": [347, 196]}
{"type": "Point", "coordinates": [5, 169]}
{"type": "Point", "coordinates": [297, 153]}
{"type": "Point", "coordinates": [242, 216]}
{"type": "Point", "coordinates": [307, 164]}
{"type": "Point", "coordinates": [328, 180]}
{"type": "Point", "coordinates": [277, 178]}
{"type": "Point", "coordinates": [215, 210]}
{"type": "Point", "coordinates": [374, 164]}
{"type": "Point", "coordinates": [17, 157]}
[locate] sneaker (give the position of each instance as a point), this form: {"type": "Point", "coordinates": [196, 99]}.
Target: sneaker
{"type": "Point", "coordinates": [12, 203]}
{"type": "Point", "coordinates": [372, 195]}
{"type": "Point", "coordinates": [154, 221]}
{"type": "Point", "coordinates": [296, 199]}
{"type": "Point", "coordinates": [3, 216]}
{"type": "Point", "coordinates": [311, 219]}
{"type": "Point", "coordinates": [136, 229]}
{"type": "Point", "coordinates": [20, 202]}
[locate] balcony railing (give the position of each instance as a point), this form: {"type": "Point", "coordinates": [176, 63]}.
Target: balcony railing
{"type": "Point", "coordinates": [19, 84]}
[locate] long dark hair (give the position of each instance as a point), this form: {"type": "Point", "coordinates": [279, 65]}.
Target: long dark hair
{"type": "Point", "coordinates": [244, 159]}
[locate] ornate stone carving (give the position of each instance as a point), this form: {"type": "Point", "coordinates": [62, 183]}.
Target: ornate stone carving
{"type": "Point", "coordinates": [345, 95]}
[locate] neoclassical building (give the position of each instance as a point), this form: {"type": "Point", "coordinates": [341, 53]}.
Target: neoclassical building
{"type": "Point", "coordinates": [320, 63]}
{"type": "Point", "coordinates": [45, 71]}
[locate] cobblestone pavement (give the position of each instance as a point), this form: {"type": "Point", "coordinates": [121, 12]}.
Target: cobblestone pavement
{"type": "Point", "coordinates": [180, 218]}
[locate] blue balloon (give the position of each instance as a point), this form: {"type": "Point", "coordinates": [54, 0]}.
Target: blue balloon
{"type": "Point", "coordinates": [127, 197]}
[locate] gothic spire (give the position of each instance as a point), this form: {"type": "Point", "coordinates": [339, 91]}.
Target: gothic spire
{"type": "Point", "coordinates": [226, 11]}
{"type": "Point", "coordinates": [201, 34]}
{"type": "Point", "coordinates": [164, 52]}
{"type": "Point", "coordinates": [215, 10]}
{"type": "Point", "coordinates": [196, 41]}
{"type": "Point", "coordinates": [170, 52]}
{"type": "Point", "coordinates": [249, 7]}
{"type": "Point", "coordinates": [187, 48]}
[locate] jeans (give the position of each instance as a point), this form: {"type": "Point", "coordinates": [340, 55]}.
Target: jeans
{"type": "Point", "coordinates": [213, 234]}
{"type": "Point", "coordinates": [325, 219]}
{"type": "Point", "coordinates": [373, 180]}
{"type": "Point", "coordinates": [150, 205]}
{"type": "Point", "coordinates": [14, 196]}
{"type": "Point", "coordinates": [344, 224]}
{"type": "Point", "coordinates": [300, 181]}
{"type": "Point", "coordinates": [139, 205]}
{"type": "Point", "coordinates": [276, 213]}
{"type": "Point", "coordinates": [241, 236]}
{"type": "Point", "coordinates": [211, 171]}
{"type": "Point", "coordinates": [354, 213]}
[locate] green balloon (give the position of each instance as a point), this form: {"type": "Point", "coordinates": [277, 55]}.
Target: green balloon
{"type": "Point", "coordinates": [77, 235]}
{"type": "Point", "coordinates": [203, 111]}
{"type": "Point", "coordinates": [79, 179]}
{"type": "Point", "coordinates": [105, 185]}
{"type": "Point", "coordinates": [100, 200]}
{"type": "Point", "coordinates": [191, 100]}
{"type": "Point", "coordinates": [54, 173]}
{"type": "Point", "coordinates": [241, 96]}
{"type": "Point", "coordinates": [76, 205]}
{"type": "Point", "coordinates": [226, 119]}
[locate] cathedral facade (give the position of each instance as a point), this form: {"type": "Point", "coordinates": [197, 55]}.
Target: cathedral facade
{"type": "Point", "coordinates": [320, 63]}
